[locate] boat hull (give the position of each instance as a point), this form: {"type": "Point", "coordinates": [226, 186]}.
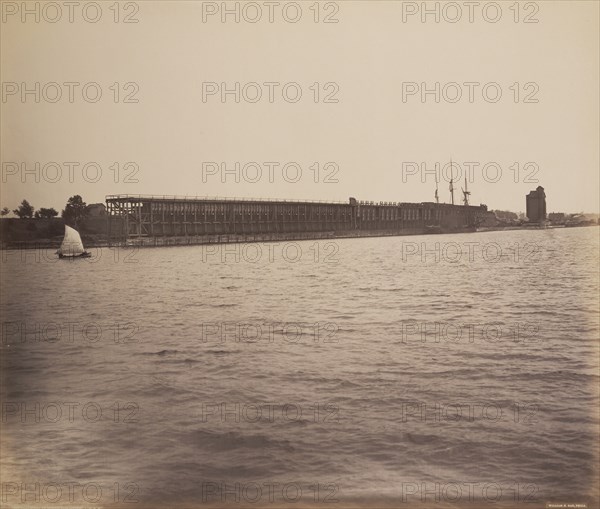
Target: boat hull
{"type": "Point", "coordinates": [72, 257]}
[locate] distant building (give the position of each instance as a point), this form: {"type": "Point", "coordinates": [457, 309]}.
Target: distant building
{"type": "Point", "coordinates": [536, 205]}
{"type": "Point", "coordinates": [96, 209]}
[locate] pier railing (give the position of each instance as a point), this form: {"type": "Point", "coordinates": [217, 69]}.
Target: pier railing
{"type": "Point", "coordinates": [214, 198]}
{"type": "Point", "coordinates": [166, 197]}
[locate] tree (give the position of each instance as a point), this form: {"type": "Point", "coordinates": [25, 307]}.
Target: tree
{"type": "Point", "coordinates": [25, 210]}
{"type": "Point", "coordinates": [5, 211]}
{"type": "Point", "coordinates": [505, 215]}
{"type": "Point", "coordinates": [46, 213]}
{"type": "Point", "coordinates": [75, 210]}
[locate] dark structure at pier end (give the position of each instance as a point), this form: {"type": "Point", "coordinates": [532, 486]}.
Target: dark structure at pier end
{"type": "Point", "coordinates": [172, 220]}
{"type": "Point", "coordinates": [536, 205]}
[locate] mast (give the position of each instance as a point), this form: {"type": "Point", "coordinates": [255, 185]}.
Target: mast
{"type": "Point", "coordinates": [451, 182]}
{"type": "Point", "coordinates": [466, 194]}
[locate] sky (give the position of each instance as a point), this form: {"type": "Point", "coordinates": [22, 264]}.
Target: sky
{"type": "Point", "coordinates": [328, 104]}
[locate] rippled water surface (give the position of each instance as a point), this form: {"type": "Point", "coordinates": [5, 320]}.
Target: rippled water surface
{"type": "Point", "coordinates": [379, 371]}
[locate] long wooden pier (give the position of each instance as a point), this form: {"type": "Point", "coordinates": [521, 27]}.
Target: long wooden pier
{"type": "Point", "coordinates": [173, 220]}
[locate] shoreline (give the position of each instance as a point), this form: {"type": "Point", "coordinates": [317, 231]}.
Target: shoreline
{"type": "Point", "coordinates": [190, 240]}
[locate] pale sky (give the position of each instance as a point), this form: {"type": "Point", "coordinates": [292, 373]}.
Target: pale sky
{"type": "Point", "coordinates": [368, 57]}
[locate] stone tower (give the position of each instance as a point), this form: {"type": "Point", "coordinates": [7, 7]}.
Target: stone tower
{"type": "Point", "coordinates": [536, 205]}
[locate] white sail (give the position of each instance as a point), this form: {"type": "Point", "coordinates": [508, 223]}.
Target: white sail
{"type": "Point", "coordinates": [71, 244]}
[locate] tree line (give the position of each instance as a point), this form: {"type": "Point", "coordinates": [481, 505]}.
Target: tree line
{"type": "Point", "coordinates": [75, 210]}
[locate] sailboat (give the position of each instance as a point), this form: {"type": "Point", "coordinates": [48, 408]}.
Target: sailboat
{"type": "Point", "coordinates": [71, 246]}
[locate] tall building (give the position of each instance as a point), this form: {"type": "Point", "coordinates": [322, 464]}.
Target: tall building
{"type": "Point", "coordinates": [536, 205]}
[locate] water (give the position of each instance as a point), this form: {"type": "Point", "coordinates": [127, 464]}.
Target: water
{"type": "Point", "coordinates": [340, 399]}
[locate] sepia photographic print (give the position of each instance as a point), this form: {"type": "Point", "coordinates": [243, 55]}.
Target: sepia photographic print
{"type": "Point", "coordinates": [300, 254]}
